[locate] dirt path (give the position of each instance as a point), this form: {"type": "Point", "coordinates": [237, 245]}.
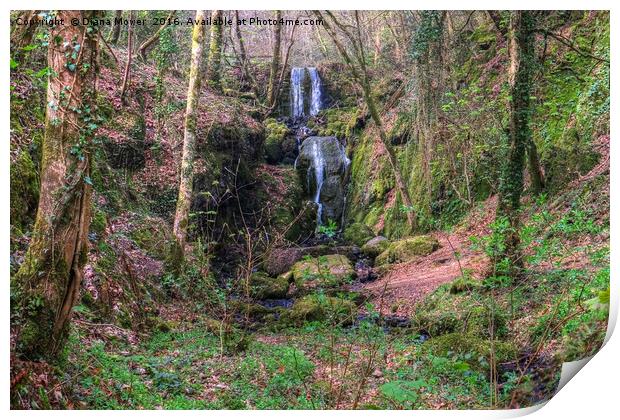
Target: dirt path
{"type": "Point", "coordinates": [406, 284]}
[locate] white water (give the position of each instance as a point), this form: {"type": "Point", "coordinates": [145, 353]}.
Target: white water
{"type": "Point", "coordinates": [315, 98]}
{"type": "Point", "coordinates": [298, 95]}
{"type": "Point", "coordinates": [297, 91]}
{"type": "Point", "coordinates": [317, 167]}
{"type": "Point", "coordinates": [318, 164]}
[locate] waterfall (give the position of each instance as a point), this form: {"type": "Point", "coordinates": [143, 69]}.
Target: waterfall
{"type": "Point", "coordinates": [321, 160]}
{"type": "Point", "coordinates": [315, 98]}
{"type": "Point", "coordinates": [318, 165]}
{"type": "Point", "coordinates": [299, 76]}
{"type": "Point", "coordinates": [297, 92]}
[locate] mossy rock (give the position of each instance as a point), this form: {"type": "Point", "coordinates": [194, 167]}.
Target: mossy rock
{"type": "Point", "coordinates": [253, 310]}
{"type": "Point", "coordinates": [153, 235]}
{"type": "Point", "coordinates": [406, 249]}
{"type": "Point", "coordinates": [358, 234]}
{"type": "Point", "coordinates": [320, 308]}
{"type": "Point", "coordinates": [444, 313]}
{"type": "Point", "coordinates": [324, 271]}
{"type": "Point", "coordinates": [265, 287]}
{"type": "Point", "coordinates": [275, 134]}
{"type": "Point", "coordinates": [375, 246]}
{"type": "Point", "coordinates": [476, 350]}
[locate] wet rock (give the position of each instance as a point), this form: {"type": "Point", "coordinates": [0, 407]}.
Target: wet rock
{"type": "Point", "coordinates": [364, 272]}
{"type": "Point", "coordinates": [322, 165]}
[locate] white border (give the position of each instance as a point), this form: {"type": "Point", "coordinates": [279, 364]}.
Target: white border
{"type": "Point", "coordinates": [593, 394]}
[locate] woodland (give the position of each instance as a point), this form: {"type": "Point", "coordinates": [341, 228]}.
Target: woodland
{"type": "Point", "coordinates": [222, 209]}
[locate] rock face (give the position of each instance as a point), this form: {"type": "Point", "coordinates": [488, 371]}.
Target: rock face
{"type": "Point", "coordinates": [323, 167]}
{"type": "Point", "coordinates": [406, 249]}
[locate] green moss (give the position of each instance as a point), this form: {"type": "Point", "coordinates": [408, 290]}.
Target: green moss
{"type": "Point", "coordinates": [477, 351]}
{"type": "Point", "coordinates": [406, 249]}
{"type": "Point", "coordinates": [24, 191]}
{"type": "Point", "coordinates": [463, 284]}
{"type": "Point", "coordinates": [443, 313]}
{"type": "Point", "coordinates": [339, 122]}
{"type": "Point", "coordinates": [153, 235]}
{"type": "Point", "coordinates": [98, 222]}
{"type": "Point", "coordinates": [323, 271]}
{"type": "Point", "coordinates": [358, 234]}
{"type": "Point", "coordinates": [275, 134]}
{"type": "Point", "coordinates": [265, 287]}
{"type": "Point", "coordinates": [321, 308]}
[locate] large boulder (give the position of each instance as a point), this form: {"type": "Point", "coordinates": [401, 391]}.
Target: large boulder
{"type": "Point", "coordinates": [281, 260]}
{"type": "Point", "coordinates": [323, 164]}
{"type": "Point", "coordinates": [375, 246]}
{"type": "Point", "coordinates": [478, 351]}
{"type": "Point", "coordinates": [321, 308]}
{"type": "Point", "coordinates": [406, 249]}
{"type": "Point", "coordinates": [324, 271]}
{"type": "Point", "coordinates": [264, 287]}
{"type": "Point", "coordinates": [358, 233]}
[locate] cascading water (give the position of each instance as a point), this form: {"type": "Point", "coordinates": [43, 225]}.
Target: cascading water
{"type": "Point", "coordinates": [318, 164]}
{"type": "Point", "coordinates": [297, 92]}
{"type": "Point", "coordinates": [315, 98]}
{"type": "Point", "coordinates": [322, 160]}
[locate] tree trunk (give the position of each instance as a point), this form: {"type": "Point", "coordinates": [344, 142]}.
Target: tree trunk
{"type": "Point", "coordinates": [48, 282]}
{"type": "Point", "coordinates": [181, 218]}
{"type": "Point", "coordinates": [116, 29]}
{"type": "Point", "coordinates": [521, 49]}
{"type": "Point", "coordinates": [215, 52]}
{"type": "Point", "coordinates": [22, 35]}
{"type": "Point", "coordinates": [127, 74]}
{"type": "Point", "coordinates": [361, 77]}
{"type": "Point", "coordinates": [142, 50]}
{"type": "Point", "coordinates": [275, 61]}
{"type": "Point", "coordinates": [537, 176]}
{"type": "Point", "coordinates": [245, 63]}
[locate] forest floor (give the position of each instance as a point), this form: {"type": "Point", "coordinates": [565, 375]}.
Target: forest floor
{"type": "Point", "coordinates": [406, 284]}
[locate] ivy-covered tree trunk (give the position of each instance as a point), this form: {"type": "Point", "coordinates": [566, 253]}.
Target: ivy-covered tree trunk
{"type": "Point", "coordinates": [47, 285]}
{"type": "Point", "coordinates": [215, 51]}
{"type": "Point", "coordinates": [521, 49]}
{"type": "Point", "coordinates": [181, 218]}
{"type": "Point", "coordinates": [275, 61]}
